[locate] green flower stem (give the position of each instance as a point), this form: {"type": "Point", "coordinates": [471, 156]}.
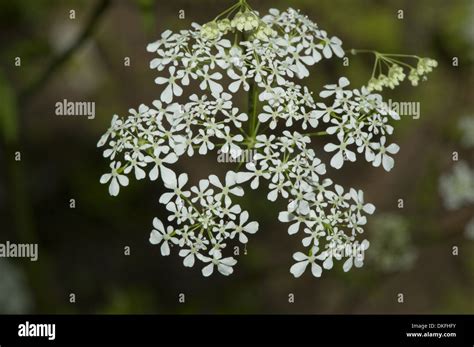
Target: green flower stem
{"type": "Point", "coordinates": [252, 112]}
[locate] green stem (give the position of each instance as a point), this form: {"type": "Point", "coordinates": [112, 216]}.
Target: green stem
{"type": "Point", "coordinates": [252, 110]}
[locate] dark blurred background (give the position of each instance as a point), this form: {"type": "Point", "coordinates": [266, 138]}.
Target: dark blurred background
{"type": "Point", "coordinates": [81, 249]}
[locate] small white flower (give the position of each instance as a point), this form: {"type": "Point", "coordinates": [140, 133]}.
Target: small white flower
{"type": "Point", "coordinates": [224, 266]}
{"type": "Point", "coordinates": [160, 235]}
{"type": "Point", "coordinates": [337, 161]}
{"type": "Point", "coordinates": [382, 157]}
{"type": "Point", "coordinates": [272, 114]}
{"type": "Point", "coordinates": [239, 229]}
{"type": "Point", "coordinates": [228, 188]}
{"type": "Point", "coordinates": [189, 256]}
{"type": "Point", "coordinates": [241, 80]}
{"type": "Point", "coordinates": [331, 45]}
{"type": "Point", "coordinates": [116, 179]}
{"type": "Point", "coordinates": [210, 80]}
{"type": "Point", "coordinates": [166, 173]}
{"type": "Point", "coordinates": [177, 186]}
{"type": "Point", "coordinates": [202, 192]}
{"type": "Point", "coordinates": [337, 89]}
{"type": "Point", "coordinates": [172, 88]}
{"type": "Point", "coordinates": [304, 260]}
{"type": "Point", "coordinates": [230, 140]}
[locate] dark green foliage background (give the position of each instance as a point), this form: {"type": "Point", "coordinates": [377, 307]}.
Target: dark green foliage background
{"type": "Point", "coordinates": [81, 249]}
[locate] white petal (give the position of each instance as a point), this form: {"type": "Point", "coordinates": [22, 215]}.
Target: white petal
{"type": "Point", "coordinates": [300, 256]}
{"type": "Point", "coordinates": [330, 147]}
{"type": "Point", "coordinates": [216, 88]}
{"type": "Point", "coordinates": [165, 249]}
{"type": "Point", "coordinates": [114, 187]}
{"type": "Point", "coordinates": [388, 163]}
{"type": "Point", "coordinates": [215, 181]}
{"type": "Point", "coordinates": [284, 217]}
{"type": "Point", "coordinates": [105, 178]}
{"type": "Point", "coordinates": [165, 198]}
{"type": "Point", "coordinates": [155, 237]}
{"type": "Point", "coordinates": [158, 225]}
{"type": "Point", "coordinates": [167, 94]}
{"type": "Point", "coordinates": [328, 263]}
{"type": "Point", "coordinates": [338, 50]}
{"type": "Point", "coordinates": [337, 160]}
{"type": "Point", "coordinates": [343, 82]}
{"type": "Point", "coordinates": [170, 158]}
{"type": "Point", "coordinates": [298, 269]}
{"type": "Point", "coordinates": [272, 196]}
{"type": "Point", "coordinates": [347, 264]}
{"type": "Point", "coordinates": [171, 182]}
{"type": "Point", "coordinates": [153, 174]}
{"type": "Point", "coordinates": [167, 175]}
{"type": "Point", "coordinates": [123, 180]}
{"type": "Point", "coordinates": [177, 90]}
{"type": "Point", "coordinates": [189, 260]}
{"type": "Point", "coordinates": [237, 191]}
{"type": "Point", "coordinates": [229, 261]}
{"type": "Point", "coordinates": [242, 177]}
{"type": "Point", "coordinates": [243, 238]}
{"type": "Point", "coordinates": [369, 208]}
{"type": "Point", "coordinates": [316, 270]}
{"type": "Point", "coordinates": [234, 86]}
{"type": "Point", "coordinates": [161, 80]}
{"type": "Point", "coordinates": [139, 173]}
{"type": "Point", "coordinates": [251, 228]}
{"type": "Point", "coordinates": [393, 148]}
{"type": "Point", "coordinates": [327, 51]}
{"type": "Point", "coordinates": [225, 270]}
{"type": "Point", "coordinates": [294, 228]}
{"type": "Point", "coordinates": [208, 270]}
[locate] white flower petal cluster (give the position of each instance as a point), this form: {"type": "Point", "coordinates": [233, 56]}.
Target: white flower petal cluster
{"type": "Point", "coordinates": [328, 218]}
{"type": "Point", "coordinates": [361, 123]}
{"type": "Point", "coordinates": [457, 187]}
{"type": "Point", "coordinates": [396, 73]}
{"type": "Point", "coordinates": [205, 219]}
{"type": "Point", "coordinates": [264, 57]}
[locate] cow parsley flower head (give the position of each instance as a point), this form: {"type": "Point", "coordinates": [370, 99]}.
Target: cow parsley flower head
{"type": "Point", "coordinates": [267, 58]}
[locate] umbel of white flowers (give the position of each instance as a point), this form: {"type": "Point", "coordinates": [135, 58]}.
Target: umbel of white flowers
{"type": "Point", "coordinates": [265, 57]}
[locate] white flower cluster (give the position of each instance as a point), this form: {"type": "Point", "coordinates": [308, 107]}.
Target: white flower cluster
{"type": "Point", "coordinates": [206, 220]}
{"type": "Point", "coordinates": [457, 187]}
{"type": "Point", "coordinates": [359, 119]}
{"type": "Point", "coordinates": [264, 57]}
{"type": "Point", "coordinates": [391, 247]}
{"type": "Point", "coordinates": [328, 217]}
{"type": "Point", "coordinates": [395, 72]}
